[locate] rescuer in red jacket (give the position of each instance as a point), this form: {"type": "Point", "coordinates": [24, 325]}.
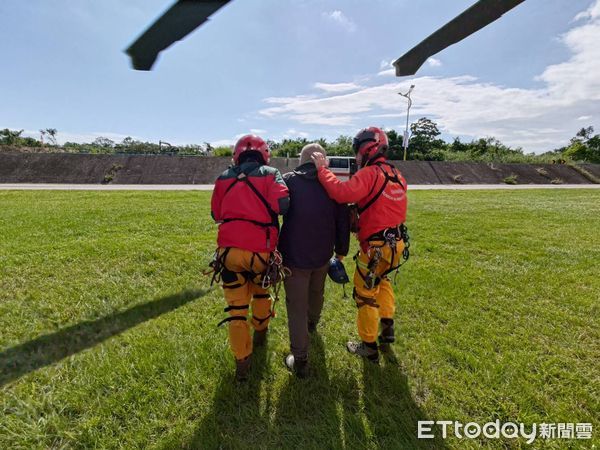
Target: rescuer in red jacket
{"type": "Point", "coordinates": [246, 201]}
{"type": "Point", "coordinates": [379, 192]}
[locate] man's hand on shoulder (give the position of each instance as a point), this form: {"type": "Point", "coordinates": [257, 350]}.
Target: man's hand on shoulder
{"type": "Point", "coordinates": [319, 160]}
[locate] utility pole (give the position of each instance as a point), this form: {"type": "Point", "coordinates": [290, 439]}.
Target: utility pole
{"type": "Point", "coordinates": [405, 138]}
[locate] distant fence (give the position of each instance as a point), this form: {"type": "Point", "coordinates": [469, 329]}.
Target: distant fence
{"type": "Point", "coordinates": [160, 169]}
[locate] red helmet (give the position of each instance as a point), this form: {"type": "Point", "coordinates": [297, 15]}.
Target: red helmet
{"type": "Point", "coordinates": [370, 142]}
{"type": "Point", "coordinates": [251, 143]}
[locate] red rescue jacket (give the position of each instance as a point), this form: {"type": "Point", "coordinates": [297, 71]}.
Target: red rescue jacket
{"type": "Point", "coordinates": [245, 203]}
{"type": "Point", "coordinates": [379, 209]}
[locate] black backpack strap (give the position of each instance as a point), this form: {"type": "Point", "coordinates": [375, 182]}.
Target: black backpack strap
{"type": "Point", "coordinates": [396, 177]}
{"type": "Point", "coordinates": [243, 176]}
{"type": "Point", "coordinates": [263, 200]}
{"type": "Point", "coordinates": [377, 195]}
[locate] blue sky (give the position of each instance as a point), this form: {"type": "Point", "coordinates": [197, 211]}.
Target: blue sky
{"type": "Point", "coordinates": [303, 68]}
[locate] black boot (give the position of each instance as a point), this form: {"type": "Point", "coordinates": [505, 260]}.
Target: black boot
{"type": "Point", "coordinates": [387, 332]}
{"type": "Point", "coordinates": [242, 368]}
{"type": "Point", "coordinates": [297, 366]}
{"type": "Point", "coordinates": [259, 337]}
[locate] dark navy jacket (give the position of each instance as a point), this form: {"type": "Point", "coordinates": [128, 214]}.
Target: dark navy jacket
{"type": "Point", "coordinates": [314, 225]}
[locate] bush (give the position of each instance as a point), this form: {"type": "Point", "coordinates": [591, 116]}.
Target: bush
{"type": "Point", "coordinates": [223, 151]}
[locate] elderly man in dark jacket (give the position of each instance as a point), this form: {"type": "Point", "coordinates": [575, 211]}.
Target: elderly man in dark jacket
{"type": "Point", "coordinates": [313, 228]}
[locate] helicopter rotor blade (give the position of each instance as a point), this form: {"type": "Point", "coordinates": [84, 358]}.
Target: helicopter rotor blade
{"type": "Point", "coordinates": [468, 22]}
{"type": "Point", "coordinates": [175, 24]}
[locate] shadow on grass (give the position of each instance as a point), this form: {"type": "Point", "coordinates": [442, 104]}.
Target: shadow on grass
{"type": "Point", "coordinates": [50, 348]}
{"type": "Point", "coordinates": [235, 417]}
{"type": "Point", "coordinates": [319, 412]}
{"type": "Point", "coordinates": [306, 415]}
{"type": "Point", "coordinates": [389, 407]}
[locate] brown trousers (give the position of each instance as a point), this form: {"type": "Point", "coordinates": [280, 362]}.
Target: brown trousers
{"type": "Point", "coordinates": [304, 301]}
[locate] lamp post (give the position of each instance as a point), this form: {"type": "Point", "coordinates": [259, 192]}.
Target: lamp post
{"type": "Point", "coordinates": [405, 139]}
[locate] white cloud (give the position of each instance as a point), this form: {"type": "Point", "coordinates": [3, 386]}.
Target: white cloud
{"type": "Point", "coordinates": [337, 87]}
{"type": "Point", "coordinates": [223, 143]}
{"type": "Point", "coordinates": [283, 100]}
{"type": "Point", "coordinates": [387, 73]}
{"type": "Point", "coordinates": [341, 19]}
{"type": "Point", "coordinates": [388, 116]}
{"type": "Point", "coordinates": [593, 12]}
{"type": "Point", "coordinates": [257, 131]}
{"type": "Point", "coordinates": [584, 117]}
{"type": "Point", "coordinates": [293, 133]}
{"type": "Point", "coordinates": [537, 119]}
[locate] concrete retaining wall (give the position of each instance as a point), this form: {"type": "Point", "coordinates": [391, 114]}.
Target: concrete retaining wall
{"type": "Point", "coordinates": [444, 172]}
{"type": "Point", "coordinates": [160, 169]}
{"type": "Point", "coordinates": [594, 169]}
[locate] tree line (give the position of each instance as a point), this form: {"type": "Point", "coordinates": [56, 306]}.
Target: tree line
{"type": "Point", "coordinates": [424, 145]}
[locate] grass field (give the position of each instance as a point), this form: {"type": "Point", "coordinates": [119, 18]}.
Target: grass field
{"type": "Point", "coordinates": [108, 337]}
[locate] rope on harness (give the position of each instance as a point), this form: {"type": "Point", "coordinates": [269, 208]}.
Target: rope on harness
{"type": "Point", "coordinates": [371, 280]}
{"type": "Point", "coordinates": [216, 266]}
{"type": "Point", "coordinates": [389, 237]}
{"type": "Point", "coordinates": [271, 277]}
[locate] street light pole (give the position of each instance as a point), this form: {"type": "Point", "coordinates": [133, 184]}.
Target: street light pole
{"type": "Point", "coordinates": [405, 139]}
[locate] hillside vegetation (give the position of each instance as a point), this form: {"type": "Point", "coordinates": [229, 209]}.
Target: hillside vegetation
{"type": "Point", "coordinates": [424, 144]}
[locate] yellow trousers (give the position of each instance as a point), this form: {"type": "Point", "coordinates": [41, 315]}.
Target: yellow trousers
{"type": "Point", "coordinates": [376, 302]}
{"type": "Point", "coordinates": [242, 278]}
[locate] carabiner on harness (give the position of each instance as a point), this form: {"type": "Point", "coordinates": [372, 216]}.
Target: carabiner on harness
{"type": "Point", "coordinates": [371, 279]}
{"type": "Point", "coordinates": [406, 239]}
{"type": "Point", "coordinates": [390, 238]}
{"type": "Point", "coordinates": [274, 273]}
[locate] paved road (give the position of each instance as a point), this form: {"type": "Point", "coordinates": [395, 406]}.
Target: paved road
{"type": "Point", "coordinates": [209, 187]}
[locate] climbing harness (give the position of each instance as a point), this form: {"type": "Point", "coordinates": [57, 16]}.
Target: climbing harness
{"type": "Point", "coordinates": [271, 277]}
{"type": "Point", "coordinates": [274, 271]}
{"type": "Point", "coordinates": [389, 237]}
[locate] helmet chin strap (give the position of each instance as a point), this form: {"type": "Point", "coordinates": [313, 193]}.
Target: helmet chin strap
{"type": "Point", "coordinates": [368, 162]}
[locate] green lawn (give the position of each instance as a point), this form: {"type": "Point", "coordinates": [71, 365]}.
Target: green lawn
{"type": "Point", "coordinates": [108, 337]}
